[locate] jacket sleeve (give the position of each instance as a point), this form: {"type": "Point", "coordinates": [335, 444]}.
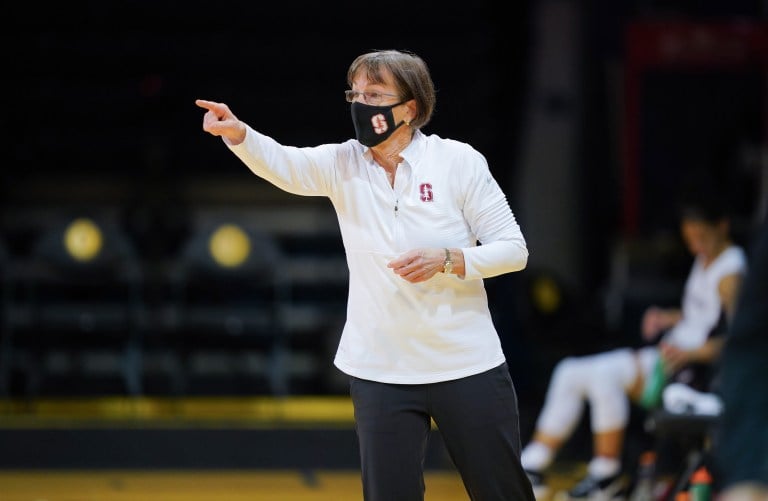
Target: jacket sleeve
{"type": "Point", "coordinates": [502, 248]}
{"type": "Point", "coordinates": [301, 171]}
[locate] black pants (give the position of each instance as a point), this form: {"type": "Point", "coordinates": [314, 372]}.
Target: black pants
{"type": "Point", "coordinates": [477, 417]}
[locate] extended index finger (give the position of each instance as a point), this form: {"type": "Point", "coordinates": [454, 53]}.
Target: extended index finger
{"type": "Point", "coordinates": [208, 105]}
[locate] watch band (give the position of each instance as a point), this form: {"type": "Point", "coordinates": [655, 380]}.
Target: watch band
{"type": "Point", "coordinates": [448, 263]}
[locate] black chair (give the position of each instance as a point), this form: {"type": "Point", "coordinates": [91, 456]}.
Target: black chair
{"type": "Point", "coordinates": [683, 442]}
{"type": "Point", "coordinates": [679, 430]}
{"type": "Point", "coordinates": [73, 311]}
{"type": "Point", "coordinates": [220, 325]}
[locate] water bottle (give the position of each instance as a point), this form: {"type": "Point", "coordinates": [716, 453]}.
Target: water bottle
{"type": "Point", "coordinates": [646, 478]}
{"type": "Point", "coordinates": [701, 485]}
{"type": "Point", "coordinates": [654, 385]}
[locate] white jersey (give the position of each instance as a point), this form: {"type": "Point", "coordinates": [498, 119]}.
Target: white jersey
{"type": "Point", "coordinates": [444, 196]}
{"type": "Point", "coordinates": [702, 308]}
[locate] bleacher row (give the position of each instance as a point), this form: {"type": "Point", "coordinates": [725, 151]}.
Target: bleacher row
{"type": "Point", "coordinates": [251, 301]}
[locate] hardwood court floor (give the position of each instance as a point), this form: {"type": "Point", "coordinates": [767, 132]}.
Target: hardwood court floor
{"type": "Point", "coordinates": [119, 485]}
{"type": "Point", "coordinates": [204, 486]}
{"type": "Point", "coordinates": [55, 417]}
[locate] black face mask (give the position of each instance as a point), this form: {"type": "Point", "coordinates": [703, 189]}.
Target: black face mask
{"type": "Point", "coordinates": [373, 124]}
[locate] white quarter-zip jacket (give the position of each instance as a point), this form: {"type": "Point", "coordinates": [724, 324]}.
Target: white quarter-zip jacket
{"type": "Point", "coordinates": [444, 196]}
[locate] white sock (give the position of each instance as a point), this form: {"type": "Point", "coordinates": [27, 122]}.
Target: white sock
{"type": "Point", "coordinates": [536, 456]}
{"type": "Point", "coordinates": [602, 467]}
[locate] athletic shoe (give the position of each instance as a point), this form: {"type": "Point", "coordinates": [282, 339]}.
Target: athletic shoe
{"type": "Point", "coordinates": [593, 489]}
{"type": "Point", "coordinates": [540, 489]}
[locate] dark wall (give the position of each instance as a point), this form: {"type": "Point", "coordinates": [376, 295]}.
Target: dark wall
{"type": "Point", "coordinates": [100, 88]}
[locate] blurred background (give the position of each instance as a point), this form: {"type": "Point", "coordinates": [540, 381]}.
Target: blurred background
{"type": "Point", "coordinates": [144, 268]}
